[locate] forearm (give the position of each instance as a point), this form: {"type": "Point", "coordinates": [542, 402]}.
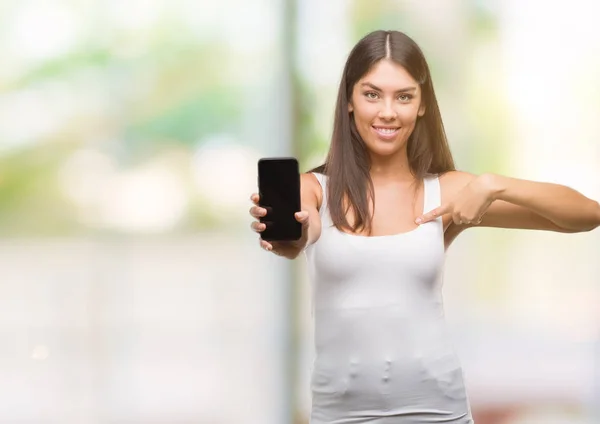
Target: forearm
{"type": "Point", "coordinates": [295, 250]}
{"type": "Point", "coordinates": [562, 205]}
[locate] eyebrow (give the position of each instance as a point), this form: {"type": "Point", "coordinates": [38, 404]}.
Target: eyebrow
{"type": "Point", "coordinates": [402, 90]}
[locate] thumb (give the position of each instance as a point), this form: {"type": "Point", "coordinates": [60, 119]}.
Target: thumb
{"type": "Point", "coordinates": [302, 217]}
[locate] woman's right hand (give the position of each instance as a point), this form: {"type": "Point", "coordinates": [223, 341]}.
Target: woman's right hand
{"type": "Point", "coordinates": [288, 249]}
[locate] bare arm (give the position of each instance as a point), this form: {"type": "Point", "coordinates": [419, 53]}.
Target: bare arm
{"type": "Point", "coordinates": [312, 198]}
{"type": "Point", "coordinates": [523, 204]}
{"type": "Point", "coordinates": [563, 206]}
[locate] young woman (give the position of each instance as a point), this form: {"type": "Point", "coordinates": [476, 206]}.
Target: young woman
{"type": "Point", "coordinates": [378, 216]}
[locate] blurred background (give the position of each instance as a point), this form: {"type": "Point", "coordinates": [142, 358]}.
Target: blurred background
{"type": "Point", "coordinates": [131, 287]}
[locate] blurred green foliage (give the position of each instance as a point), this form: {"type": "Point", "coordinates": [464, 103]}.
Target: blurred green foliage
{"type": "Point", "coordinates": [174, 90]}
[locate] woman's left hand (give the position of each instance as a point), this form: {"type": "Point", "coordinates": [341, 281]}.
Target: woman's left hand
{"type": "Point", "coordinates": [468, 206]}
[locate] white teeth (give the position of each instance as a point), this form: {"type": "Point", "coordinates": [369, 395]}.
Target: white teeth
{"type": "Point", "coordinates": [386, 130]}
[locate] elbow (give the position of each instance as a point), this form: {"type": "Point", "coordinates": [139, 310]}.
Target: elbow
{"type": "Point", "coordinates": [595, 221]}
{"type": "Point", "coordinates": [590, 224]}
{"type": "Point", "coordinates": [597, 216]}
{"type": "Point", "coordinates": [584, 224]}
{"type": "Point", "coordinates": [576, 230]}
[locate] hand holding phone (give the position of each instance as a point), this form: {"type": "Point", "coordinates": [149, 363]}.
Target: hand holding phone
{"type": "Point", "coordinates": [289, 249]}
{"type": "Point", "coordinates": [281, 223]}
{"type": "Point", "coordinates": [279, 195]}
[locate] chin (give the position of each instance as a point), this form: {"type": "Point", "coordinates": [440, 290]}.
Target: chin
{"type": "Point", "coordinates": [384, 149]}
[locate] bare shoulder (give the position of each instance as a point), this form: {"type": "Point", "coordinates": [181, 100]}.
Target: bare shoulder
{"type": "Point", "coordinates": [312, 193]}
{"type": "Point", "coordinates": [452, 182]}
{"type": "Point", "coordinates": [312, 197]}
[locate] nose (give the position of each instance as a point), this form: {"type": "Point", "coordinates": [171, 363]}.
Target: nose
{"type": "Point", "coordinates": [387, 111]}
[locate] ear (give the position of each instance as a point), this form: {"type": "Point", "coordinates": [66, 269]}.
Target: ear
{"type": "Point", "coordinates": [350, 108]}
{"type": "Point", "coordinates": [421, 110]}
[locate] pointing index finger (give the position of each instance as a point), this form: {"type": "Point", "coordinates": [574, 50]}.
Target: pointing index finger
{"type": "Point", "coordinates": [432, 214]}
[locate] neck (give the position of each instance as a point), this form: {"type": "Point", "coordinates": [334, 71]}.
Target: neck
{"type": "Point", "coordinates": [391, 169]}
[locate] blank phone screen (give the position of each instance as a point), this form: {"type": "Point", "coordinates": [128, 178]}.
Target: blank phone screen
{"type": "Point", "coordinates": [279, 191]}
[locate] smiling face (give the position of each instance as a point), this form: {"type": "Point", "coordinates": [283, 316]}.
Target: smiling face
{"type": "Point", "coordinates": [386, 103]}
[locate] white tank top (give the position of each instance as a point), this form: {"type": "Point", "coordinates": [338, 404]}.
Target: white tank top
{"type": "Point", "coordinates": [383, 354]}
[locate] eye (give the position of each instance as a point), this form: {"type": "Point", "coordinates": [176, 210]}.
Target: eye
{"type": "Point", "coordinates": [371, 95]}
{"type": "Point", "coordinates": [405, 97]}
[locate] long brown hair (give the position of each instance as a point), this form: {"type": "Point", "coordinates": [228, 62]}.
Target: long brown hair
{"type": "Point", "coordinates": [347, 163]}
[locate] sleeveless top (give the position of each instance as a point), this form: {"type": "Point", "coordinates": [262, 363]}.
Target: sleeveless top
{"type": "Point", "coordinates": [383, 353]}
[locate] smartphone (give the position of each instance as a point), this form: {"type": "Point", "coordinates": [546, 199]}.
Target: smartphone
{"type": "Point", "coordinates": [279, 191]}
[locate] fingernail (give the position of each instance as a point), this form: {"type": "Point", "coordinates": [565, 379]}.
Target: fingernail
{"type": "Point", "coordinates": [419, 220]}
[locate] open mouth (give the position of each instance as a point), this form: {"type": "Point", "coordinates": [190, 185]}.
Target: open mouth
{"type": "Point", "coordinates": [386, 132]}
